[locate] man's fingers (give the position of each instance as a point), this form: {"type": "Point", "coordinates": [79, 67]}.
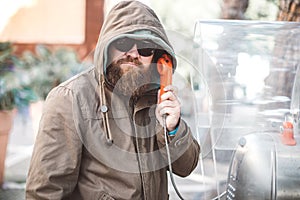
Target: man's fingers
{"type": "Point", "coordinates": [172, 89]}
{"type": "Point", "coordinates": [169, 95]}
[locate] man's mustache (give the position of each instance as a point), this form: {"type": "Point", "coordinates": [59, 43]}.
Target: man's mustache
{"type": "Point", "coordinates": [129, 59]}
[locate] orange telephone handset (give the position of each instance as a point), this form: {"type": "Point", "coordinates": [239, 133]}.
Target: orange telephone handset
{"type": "Point", "coordinates": [165, 69]}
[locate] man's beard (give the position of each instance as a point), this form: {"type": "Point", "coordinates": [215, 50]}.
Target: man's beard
{"type": "Point", "coordinates": [131, 83]}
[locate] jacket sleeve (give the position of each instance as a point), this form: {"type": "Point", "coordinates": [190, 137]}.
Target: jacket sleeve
{"type": "Point", "coordinates": [184, 149]}
{"type": "Point", "coordinates": [55, 161]}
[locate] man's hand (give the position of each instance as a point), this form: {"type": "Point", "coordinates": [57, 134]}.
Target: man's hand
{"type": "Point", "coordinates": [170, 106]}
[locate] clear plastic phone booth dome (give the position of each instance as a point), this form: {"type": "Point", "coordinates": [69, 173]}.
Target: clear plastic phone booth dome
{"type": "Point", "coordinates": [247, 89]}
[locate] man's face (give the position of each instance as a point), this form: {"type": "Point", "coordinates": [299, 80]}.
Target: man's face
{"type": "Point", "coordinates": [130, 65]}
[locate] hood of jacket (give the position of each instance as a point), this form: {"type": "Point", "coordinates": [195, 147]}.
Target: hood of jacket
{"type": "Point", "coordinates": [134, 20]}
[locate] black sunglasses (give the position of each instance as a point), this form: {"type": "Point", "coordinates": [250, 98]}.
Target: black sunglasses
{"type": "Point", "coordinates": [144, 47]}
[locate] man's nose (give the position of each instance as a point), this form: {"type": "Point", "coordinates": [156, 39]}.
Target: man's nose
{"type": "Point", "coordinates": [133, 52]}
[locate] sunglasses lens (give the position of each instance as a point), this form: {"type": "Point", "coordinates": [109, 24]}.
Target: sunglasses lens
{"type": "Point", "coordinates": [145, 48]}
{"type": "Point", "coordinates": [146, 52]}
{"type": "Point", "coordinates": [123, 44]}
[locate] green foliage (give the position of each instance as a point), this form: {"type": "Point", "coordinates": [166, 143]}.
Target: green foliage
{"type": "Point", "coordinates": [14, 80]}
{"type": "Point", "coordinates": [31, 76]}
{"type": "Point", "coordinates": [50, 68]}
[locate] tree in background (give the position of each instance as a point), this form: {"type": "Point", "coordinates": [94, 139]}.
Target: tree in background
{"type": "Point", "coordinates": [289, 10]}
{"type": "Point", "coordinates": [285, 54]}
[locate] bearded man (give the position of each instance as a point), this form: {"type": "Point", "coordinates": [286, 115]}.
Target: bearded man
{"type": "Point", "coordinates": [102, 133]}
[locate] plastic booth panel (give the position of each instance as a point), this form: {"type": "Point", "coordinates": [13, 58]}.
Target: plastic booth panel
{"type": "Point", "coordinates": [247, 75]}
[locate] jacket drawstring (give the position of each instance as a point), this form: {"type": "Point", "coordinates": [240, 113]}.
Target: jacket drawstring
{"type": "Point", "coordinates": [104, 111]}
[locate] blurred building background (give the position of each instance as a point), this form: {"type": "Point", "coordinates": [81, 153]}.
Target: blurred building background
{"type": "Point", "coordinates": [75, 24]}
